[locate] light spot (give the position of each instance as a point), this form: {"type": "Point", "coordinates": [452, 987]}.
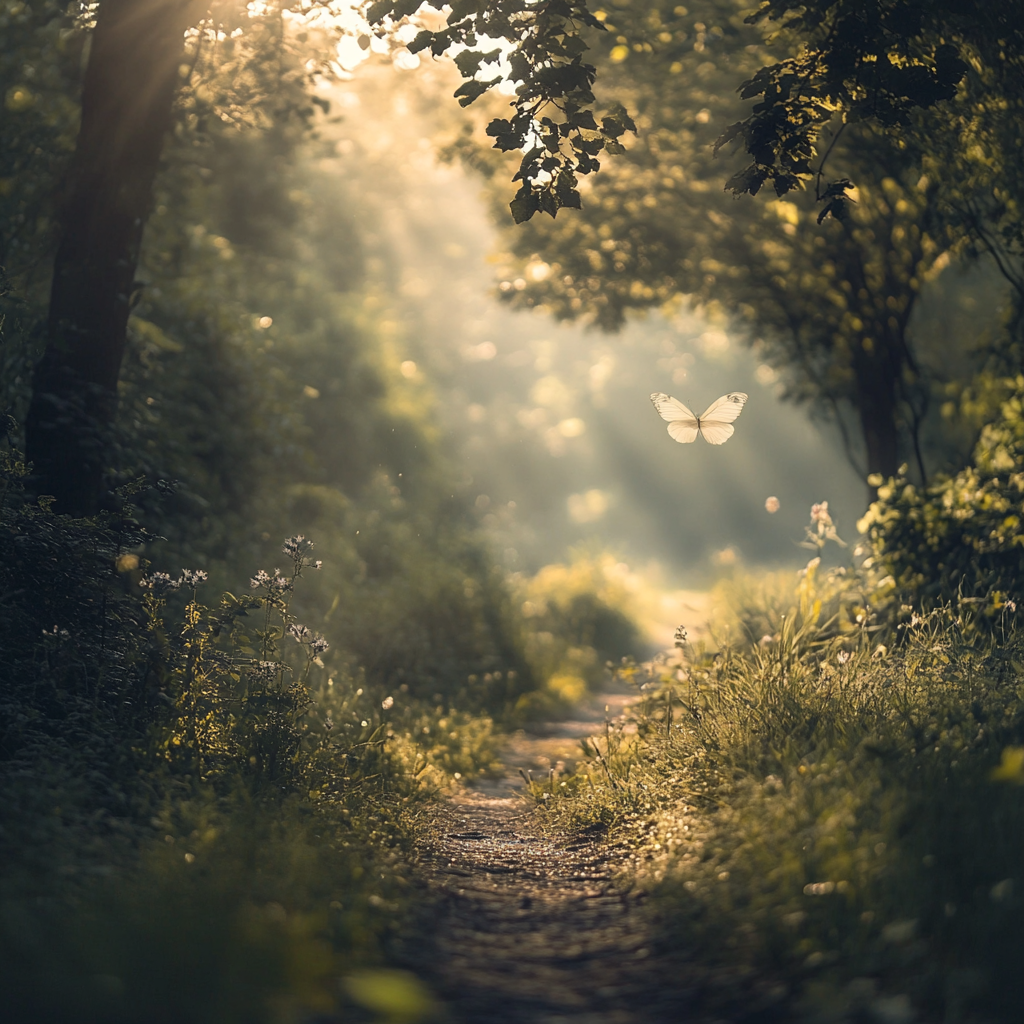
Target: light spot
{"type": "Point", "coordinates": [481, 353]}
{"type": "Point", "coordinates": [589, 506]}
{"type": "Point", "coordinates": [408, 369]}
{"type": "Point", "coordinates": [726, 557]}
{"type": "Point", "coordinates": [406, 61]}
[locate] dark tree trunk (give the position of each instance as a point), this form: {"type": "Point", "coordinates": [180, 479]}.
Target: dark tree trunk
{"type": "Point", "coordinates": [127, 100]}
{"type": "Point", "coordinates": [877, 368]}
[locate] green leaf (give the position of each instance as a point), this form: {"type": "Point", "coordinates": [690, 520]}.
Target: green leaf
{"type": "Point", "coordinates": [524, 205]}
{"type": "Point", "coordinates": [393, 9]}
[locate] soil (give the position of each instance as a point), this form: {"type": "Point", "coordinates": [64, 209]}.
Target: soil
{"type": "Point", "coordinates": [533, 927]}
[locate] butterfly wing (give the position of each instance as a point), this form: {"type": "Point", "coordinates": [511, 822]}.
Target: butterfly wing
{"type": "Point", "coordinates": [682, 424]}
{"type": "Point", "coordinates": [716, 425]}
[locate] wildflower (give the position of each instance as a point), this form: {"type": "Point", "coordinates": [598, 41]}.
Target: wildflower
{"type": "Point", "coordinates": [772, 505]}
{"type": "Point", "coordinates": [295, 547]}
{"type": "Point", "coordinates": [680, 636]}
{"type": "Point", "coordinates": [766, 641]}
{"type": "Point", "coordinates": [1012, 605]}
{"type": "Point", "coordinates": [822, 527]}
{"type": "Point", "coordinates": [387, 703]}
{"type": "Point", "coordinates": [302, 634]}
{"type": "Point", "coordinates": [159, 583]}
{"type": "Point", "coordinates": [843, 657]}
{"type": "Point", "coordinates": [261, 579]}
{"type": "Point", "coordinates": [192, 577]}
{"type": "Point", "coordinates": [318, 645]}
{"type": "Point", "coordinates": [280, 583]}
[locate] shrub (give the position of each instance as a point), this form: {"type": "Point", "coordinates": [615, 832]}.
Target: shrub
{"type": "Point", "coordinates": [204, 819]}
{"type": "Point", "coordinates": [961, 537]}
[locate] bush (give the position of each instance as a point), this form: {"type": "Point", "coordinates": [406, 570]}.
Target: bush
{"type": "Point", "coordinates": [962, 537]}
{"type": "Point", "coordinates": [204, 818]}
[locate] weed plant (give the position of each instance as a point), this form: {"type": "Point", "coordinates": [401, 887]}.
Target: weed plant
{"type": "Point", "coordinates": [825, 802]}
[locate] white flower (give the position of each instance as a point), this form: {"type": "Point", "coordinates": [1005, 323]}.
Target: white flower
{"type": "Point", "coordinates": [387, 703]}
{"type": "Point", "coordinates": [772, 505]}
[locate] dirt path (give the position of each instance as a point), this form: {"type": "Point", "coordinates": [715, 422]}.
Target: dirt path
{"type": "Point", "coordinates": [527, 927]}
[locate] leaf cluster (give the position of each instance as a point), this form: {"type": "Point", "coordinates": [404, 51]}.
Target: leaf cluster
{"type": "Point", "coordinates": [554, 125]}
{"type": "Point", "coordinates": [881, 61]}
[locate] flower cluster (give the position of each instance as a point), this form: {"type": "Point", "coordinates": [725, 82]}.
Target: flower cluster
{"type": "Point", "coordinates": [159, 583]}
{"type": "Point", "coordinates": [680, 636]}
{"type": "Point", "coordinates": [301, 633]}
{"type": "Point", "coordinates": [271, 582]}
{"type": "Point", "coordinates": [162, 583]}
{"type": "Point", "coordinates": [263, 671]}
{"type": "Point", "coordinates": [297, 548]}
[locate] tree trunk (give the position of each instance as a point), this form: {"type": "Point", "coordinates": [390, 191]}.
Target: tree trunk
{"type": "Point", "coordinates": [876, 370]}
{"type": "Point", "coordinates": [127, 99]}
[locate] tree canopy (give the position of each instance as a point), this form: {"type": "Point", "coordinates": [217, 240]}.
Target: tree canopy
{"type": "Point", "coordinates": [826, 291]}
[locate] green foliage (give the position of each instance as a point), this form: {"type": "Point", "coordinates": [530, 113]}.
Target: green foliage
{"type": "Point", "coordinates": [579, 619]}
{"type": "Point", "coordinates": [196, 791]}
{"type": "Point", "coordinates": [821, 816]}
{"type": "Point", "coordinates": [830, 306]}
{"type": "Point", "coordinates": [961, 537]}
{"type": "Point", "coordinates": [554, 124]}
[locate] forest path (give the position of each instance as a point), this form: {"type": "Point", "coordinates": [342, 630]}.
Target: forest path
{"type": "Point", "coordinates": [530, 926]}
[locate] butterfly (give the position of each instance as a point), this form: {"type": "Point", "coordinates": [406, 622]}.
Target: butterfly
{"type": "Point", "coordinates": [715, 426]}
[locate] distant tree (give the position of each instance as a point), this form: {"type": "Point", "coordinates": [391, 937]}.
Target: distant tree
{"type": "Point", "coordinates": [828, 304]}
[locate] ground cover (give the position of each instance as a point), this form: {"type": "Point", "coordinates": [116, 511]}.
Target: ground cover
{"type": "Point", "coordinates": [822, 797]}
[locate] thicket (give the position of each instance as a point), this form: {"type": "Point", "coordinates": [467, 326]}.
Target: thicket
{"type": "Point", "coordinates": [823, 792]}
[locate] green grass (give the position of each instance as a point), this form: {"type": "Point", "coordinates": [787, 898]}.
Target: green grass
{"type": "Point", "coordinates": [826, 809]}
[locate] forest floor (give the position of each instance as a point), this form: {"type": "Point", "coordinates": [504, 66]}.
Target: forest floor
{"type": "Point", "coordinates": [528, 925]}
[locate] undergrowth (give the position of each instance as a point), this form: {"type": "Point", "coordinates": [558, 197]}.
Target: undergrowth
{"type": "Point", "coordinates": [823, 797]}
{"type": "Point", "coordinates": [205, 817]}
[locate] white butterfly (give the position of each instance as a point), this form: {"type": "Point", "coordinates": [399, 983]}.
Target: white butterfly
{"type": "Point", "coordinates": [715, 426]}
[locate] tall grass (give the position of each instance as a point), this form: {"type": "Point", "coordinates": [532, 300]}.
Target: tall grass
{"type": "Point", "coordinates": [827, 802]}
